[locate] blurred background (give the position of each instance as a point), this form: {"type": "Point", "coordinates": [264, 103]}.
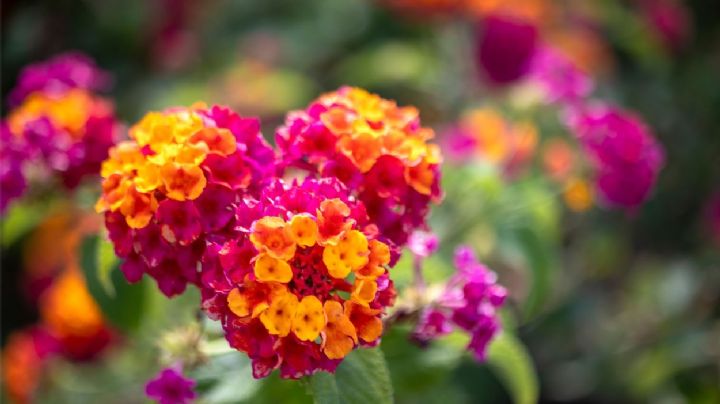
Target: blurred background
{"type": "Point", "coordinates": [608, 304]}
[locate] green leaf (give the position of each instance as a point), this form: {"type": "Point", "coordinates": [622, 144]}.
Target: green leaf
{"type": "Point", "coordinates": [510, 361]}
{"type": "Point", "coordinates": [541, 261]}
{"type": "Point", "coordinates": [19, 219]}
{"type": "Point", "coordinates": [363, 377]}
{"type": "Point", "coordinates": [229, 379]}
{"type": "Point", "coordinates": [121, 302]}
{"type": "Point", "coordinates": [107, 261]}
{"type": "Point", "coordinates": [324, 389]}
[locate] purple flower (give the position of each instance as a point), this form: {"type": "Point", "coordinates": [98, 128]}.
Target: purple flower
{"type": "Point", "coordinates": [433, 324]}
{"type": "Point", "coordinates": [625, 155]}
{"type": "Point", "coordinates": [558, 78]}
{"type": "Point", "coordinates": [170, 387]}
{"type": "Point", "coordinates": [505, 48]}
{"type": "Point", "coordinates": [422, 243]}
{"type": "Point", "coordinates": [59, 74]}
{"type": "Point", "coordinates": [469, 303]}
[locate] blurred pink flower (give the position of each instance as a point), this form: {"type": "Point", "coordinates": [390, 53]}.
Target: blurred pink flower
{"type": "Point", "coordinates": [558, 78]}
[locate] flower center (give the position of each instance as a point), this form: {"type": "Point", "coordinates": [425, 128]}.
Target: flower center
{"type": "Point", "coordinates": [310, 276]}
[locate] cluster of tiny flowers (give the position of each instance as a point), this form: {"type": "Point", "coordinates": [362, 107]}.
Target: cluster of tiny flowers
{"type": "Point", "coordinates": [379, 150]}
{"type": "Point", "coordinates": [469, 302]}
{"type": "Point", "coordinates": [296, 271]}
{"type": "Point", "coordinates": [56, 123]}
{"type": "Point", "coordinates": [302, 281]}
{"type": "Point", "coordinates": [624, 154]}
{"type": "Point", "coordinates": [174, 183]}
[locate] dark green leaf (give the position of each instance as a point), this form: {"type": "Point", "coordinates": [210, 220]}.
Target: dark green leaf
{"type": "Point", "coordinates": [121, 302]}
{"type": "Point", "coordinates": [541, 261]}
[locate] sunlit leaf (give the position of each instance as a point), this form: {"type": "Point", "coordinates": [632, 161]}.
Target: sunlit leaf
{"type": "Point", "coordinates": [19, 219]}
{"type": "Point", "coordinates": [324, 389]}
{"type": "Point", "coordinates": [363, 377]}
{"type": "Point", "coordinates": [511, 362]}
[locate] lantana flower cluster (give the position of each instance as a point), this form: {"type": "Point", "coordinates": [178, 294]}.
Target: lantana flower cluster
{"type": "Point", "coordinates": [296, 269]}
{"type": "Point", "coordinates": [174, 184]}
{"type": "Point", "coordinates": [624, 154]}
{"type": "Point", "coordinates": [56, 124]}
{"type": "Point", "coordinates": [378, 149]}
{"type": "Point", "coordinates": [469, 302]}
{"type": "Point", "coordinates": [303, 281]}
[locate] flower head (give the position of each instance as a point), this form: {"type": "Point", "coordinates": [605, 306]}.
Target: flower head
{"type": "Point", "coordinates": [174, 183]}
{"type": "Point", "coordinates": [56, 124]}
{"type": "Point", "coordinates": [68, 133]}
{"type": "Point", "coordinates": [378, 149]}
{"type": "Point", "coordinates": [59, 74]}
{"type": "Point", "coordinates": [302, 281]}
{"type": "Point", "coordinates": [469, 302]}
{"type": "Point", "coordinates": [621, 149]}
{"type": "Point", "coordinates": [72, 317]}
{"type": "Point", "coordinates": [505, 47]}
{"type": "Point", "coordinates": [171, 387]}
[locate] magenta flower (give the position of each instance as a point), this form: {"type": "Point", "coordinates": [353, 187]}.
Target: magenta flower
{"type": "Point", "coordinates": [56, 126]}
{"type": "Point", "coordinates": [377, 148]}
{"type": "Point", "coordinates": [12, 178]}
{"type": "Point", "coordinates": [59, 74]}
{"type": "Point", "coordinates": [505, 48]}
{"type": "Point", "coordinates": [558, 78]}
{"type": "Point", "coordinates": [626, 157]}
{"type": "Point", "coordinates": [469, 302]}
{"type": "Point", "coordinates": [170, 387]}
